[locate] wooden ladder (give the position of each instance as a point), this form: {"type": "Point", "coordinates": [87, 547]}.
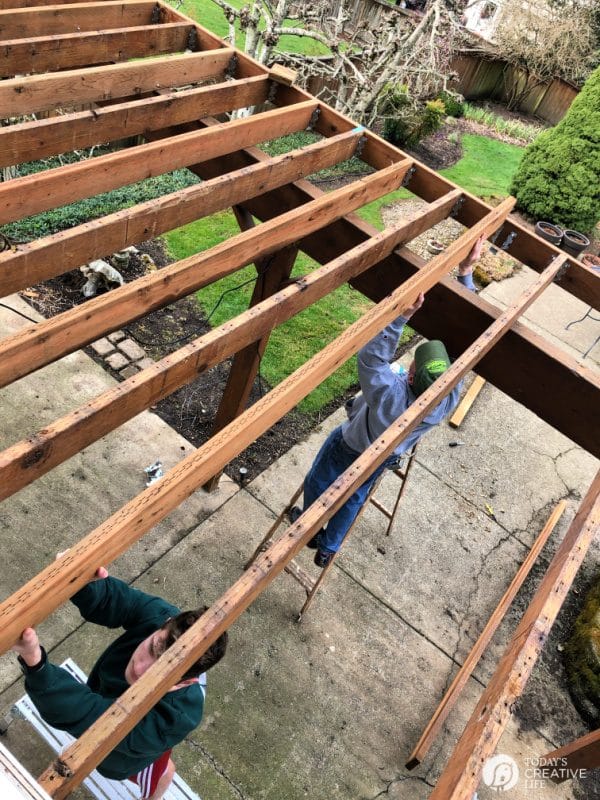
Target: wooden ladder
{"type": "Point", "coordinates": [309, 584]}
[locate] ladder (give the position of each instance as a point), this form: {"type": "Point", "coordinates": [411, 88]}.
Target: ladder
{"type": "Point", "coordinates": [309, 584]}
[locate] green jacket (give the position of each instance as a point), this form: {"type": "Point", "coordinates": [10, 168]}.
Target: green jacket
{"type": "Point", "coordinates": [71, 706]}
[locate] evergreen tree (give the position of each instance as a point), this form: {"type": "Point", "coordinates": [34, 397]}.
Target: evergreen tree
{"type": "Point", "coordinates": [559, 177]}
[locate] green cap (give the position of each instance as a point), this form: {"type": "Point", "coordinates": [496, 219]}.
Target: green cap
{"type": "Point", "coordinates": [431, 360]}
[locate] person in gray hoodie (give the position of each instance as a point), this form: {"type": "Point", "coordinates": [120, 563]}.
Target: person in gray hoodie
{"type": "Point", "coordinates": [386, 393]}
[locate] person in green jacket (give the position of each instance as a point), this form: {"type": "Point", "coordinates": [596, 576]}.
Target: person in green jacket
{"type": "Point", "coordinates": [151, 626]}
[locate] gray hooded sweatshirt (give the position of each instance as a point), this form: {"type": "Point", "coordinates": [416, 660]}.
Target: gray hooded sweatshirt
{"type": "Point", "coordinates": [386, 394]}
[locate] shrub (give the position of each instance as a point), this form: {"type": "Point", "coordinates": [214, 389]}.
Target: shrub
{"type": "Point", "coordinates": [410, 124]}
{"type": "Point", "coordinates": [559, 176]}
{"type": "Point", "coordinates": [453, 103]}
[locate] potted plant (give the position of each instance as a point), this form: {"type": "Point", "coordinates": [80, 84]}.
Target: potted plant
{"type": "Point", "coordinates": [551, 233]}
{"type": "Point", "coordinates": [574, 242]}
{"type": "Point", "coordinates": [591, 260]}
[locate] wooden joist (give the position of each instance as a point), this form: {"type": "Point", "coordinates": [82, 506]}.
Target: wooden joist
{"type": "Point", "coordinates": [27, 23]}
{"type": "Point", "coordinates": [49, 53]}
{"type": "Point", "coordinates": [28, 141]}
{"type": "Point", "coordinates": [559, 389]}
{"type": "Point", "coordinates": [45, 258]}
{"type": "Point", "coordinates": [29, 459]}
{"type": "Point", "coordinates": [484, 729]}
{"type": "Point", "coordinates": [147, 509]}
{"type": "Point", "coordinates": [569, 761]}
{"type": "Point", "coordinates": [43, 343]}
{"type": "Point", "coordinates": [115, 723]}
{"type": "Point", "coordinates": [20, 96]}
{"type": "Point", "coordinates": [466, 670]}
{"type": "Point", "coordinates": [32, 194]}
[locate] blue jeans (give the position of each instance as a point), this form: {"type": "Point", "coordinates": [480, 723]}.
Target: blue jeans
{"type": "Point", "coordinates": [333, 458]}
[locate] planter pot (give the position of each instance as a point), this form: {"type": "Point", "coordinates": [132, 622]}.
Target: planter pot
{"type": "Point", "coordinates": [590, 260]}
{"type": "Point", "coordinates": [574, 243]}
{"type": "Point", "coordinates": [551, 233]}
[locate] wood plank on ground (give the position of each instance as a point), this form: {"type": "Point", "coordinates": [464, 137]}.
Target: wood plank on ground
{"type": "Point", "coordinates": [27, 23]}
{"type": "Point", "coordinates": [466, 670]}
{"type": "Point", "coordinates": [47, 53]}
{"type": "Point", "coordinates": [29, 141]}
{"type": "Point", "coordinates": [566, 763]}
{"type": "Point", "coordinates": [32, 93]}
{"type": "Point", "coordinates": [478, 741]}
{"type": "Point", "coordinates": [40, 344]}
{"type": "Point", "coordinates": [29, 459]}
{"type": "Point", "coordinates": [463, 408]}
{"type": "Point", "coordinates": [22, 197]}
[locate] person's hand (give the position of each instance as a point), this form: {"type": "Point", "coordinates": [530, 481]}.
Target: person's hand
{"type": "Point", "coordinates": [100, 573]}
{"type": "Point", "coordinates": [408, 312]}
{"type": "Point", "coordinates": [466, 267]}
{"type": "Point", "coordinates": [28, 647]}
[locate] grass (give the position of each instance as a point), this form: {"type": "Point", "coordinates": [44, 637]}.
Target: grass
{"type": "Point", "coordinates": [509, 127]}
{"type": "Point", "coordinates": [487, 166]}
{"type": "Point", "coordinates": [485, 169]}
{"type": "Point", "coordinates": [210, 16]}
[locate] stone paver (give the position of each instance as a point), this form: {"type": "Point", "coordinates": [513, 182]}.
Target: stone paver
{"type": "Point", "coordinates": [103, 347]}
{"type": "Point", "coordinates": [132, 349]}
{"type": "Point", "coordinates": [117, 361]}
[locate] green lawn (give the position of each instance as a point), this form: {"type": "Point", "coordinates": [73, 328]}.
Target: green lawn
{"type": "Point", "coordinates": [485, 170]}
{"type": "Point", "coordinates": [210, 16]}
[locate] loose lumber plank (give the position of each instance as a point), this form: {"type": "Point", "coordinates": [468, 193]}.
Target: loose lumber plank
{"type": "Point", "coordinates": [40, 344]}
{"type": "Point", "coordinates": [48, 53]}
{"type": "Point", "coordinates": [559, 388]}
{"type": "Point", "coordinates": [467, 401]}
{"type": "Point", "coordinates": [484, 729]}
{"type": "Point", "coordinates": [22, 197]}
{"type": "Point", "coordinates": [29, 141]}
{"type": "Point", "coordinates": [566, 762]}
{"type": "Point", "coordinates": [27, 23]}
{"type": "Point", "coordinates": [25, 95]}
{"type": "Point", "coordinates": [29, 459]}
{"type": "Point", "coordinates": [464, 673]}
{"type": "Point", "coordinates": [44, 258]}
{"type": "Point", "coordinates": [113, 725]}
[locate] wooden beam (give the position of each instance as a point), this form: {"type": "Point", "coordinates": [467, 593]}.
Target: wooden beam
{"type": "Point", "coordinates": [246, 363]}
{"type": "Point", "coordinates": [27, 23]}
{"type": "Point", "coordinates": [22, 197]}
{"type": "Point", "coordinates": [99, 83]}
{"type": "Point", "coordinates": [566, 762]}
{"type": "Point", "coordinates": [467, 401]}
{"type": "Point", "coordinates": [464, 673]}
{"type": "Point", "coordinates": [114, 724]}
{"type": "Point", "coordinates": [559, 388]}
{"type": "Point", "coordinates": [157, 501]}
{"type": "Point", "coordinates": [44, 258]}
{"type": "Point", "coordinates": [48, 53]}
{"type": "Point", "coordinates": [29, 141]}
{"type": "Point", "coordinates": [461, 776]}
{"type": "Point", "coordinates": [43, 343]}
{"type": "Point", "coordinates": [27, 460]}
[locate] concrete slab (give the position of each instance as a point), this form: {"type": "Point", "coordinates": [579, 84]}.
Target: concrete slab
{"type": "Point", "coordinates": [555, 314]}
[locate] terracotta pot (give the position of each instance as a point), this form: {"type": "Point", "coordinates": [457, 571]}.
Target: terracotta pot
{"type": "Point", "coordinates": [551, 233]}
{"type": "Point", "coordinates": [590, 260]}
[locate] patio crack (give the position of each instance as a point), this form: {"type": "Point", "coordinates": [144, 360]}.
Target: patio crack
{"type": "Point", "coordinates": [216, 766]}
{"type": "Point", "coordinates": [402, 779]}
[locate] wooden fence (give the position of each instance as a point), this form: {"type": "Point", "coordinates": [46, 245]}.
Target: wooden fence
{"type": "Point", "coordinates": [481, 78]}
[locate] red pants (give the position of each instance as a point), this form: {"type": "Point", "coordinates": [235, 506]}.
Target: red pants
{"type": "Point", "coordinates": [148, 778]}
